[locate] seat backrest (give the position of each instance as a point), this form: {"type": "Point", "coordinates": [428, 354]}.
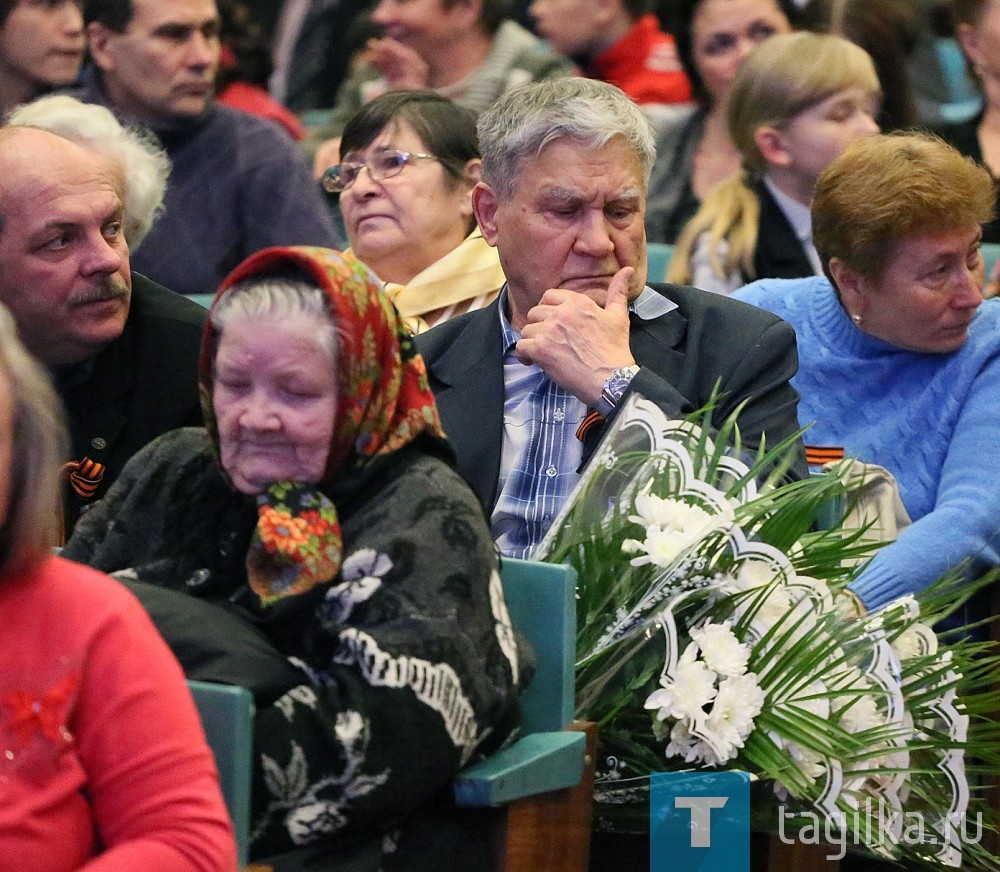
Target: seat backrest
{"type": "Point", "coordinates": [227, 714]}
{"type": "Point", "coordinates": [659, 255]}
{"type": "Point", "coordinates": [991, 254]}
{"type": "Point", "coordinates": [541, 598]}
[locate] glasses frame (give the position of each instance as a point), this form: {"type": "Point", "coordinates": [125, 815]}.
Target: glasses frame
{"type": "Point", "coordinates": [333, 184]}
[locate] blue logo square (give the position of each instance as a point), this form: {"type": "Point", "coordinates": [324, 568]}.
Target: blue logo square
{"type": "Point", "coordinates": [699, 822]}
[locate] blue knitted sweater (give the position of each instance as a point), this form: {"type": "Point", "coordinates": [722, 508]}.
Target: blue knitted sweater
{"type": "Point", "coordinates": [932, 420]}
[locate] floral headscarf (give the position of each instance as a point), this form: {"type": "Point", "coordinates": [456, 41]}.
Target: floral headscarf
{"type": "Point", "coordinates": [384, 402]}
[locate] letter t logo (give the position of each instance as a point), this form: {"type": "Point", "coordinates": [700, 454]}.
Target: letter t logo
{"type": "Point", "coordinates": [701, 816]}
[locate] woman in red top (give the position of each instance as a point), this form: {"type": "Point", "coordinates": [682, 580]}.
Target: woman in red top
{"type": "Point", "coordinates": [103, 762]}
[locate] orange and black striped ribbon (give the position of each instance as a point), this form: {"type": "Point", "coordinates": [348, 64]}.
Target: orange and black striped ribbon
{"type": "Point", "coordinates": [592, 420]}
{"type": "Point", "coordinates": [817, 455]}
{"type": "Point", "coordinates": [84, 476]}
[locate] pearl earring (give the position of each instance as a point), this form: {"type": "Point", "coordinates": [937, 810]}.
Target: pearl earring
{"type": "Point", "coordinates": [856, 319]}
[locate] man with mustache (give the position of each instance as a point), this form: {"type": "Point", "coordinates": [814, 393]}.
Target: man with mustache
{"type": "Point", "coordinates": [238, 184]}
{"type": "Point", "coordinates": [122, 350]}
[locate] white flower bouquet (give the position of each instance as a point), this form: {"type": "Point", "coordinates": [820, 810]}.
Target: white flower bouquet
{"type": "Point", "coordinates": [714, 632]}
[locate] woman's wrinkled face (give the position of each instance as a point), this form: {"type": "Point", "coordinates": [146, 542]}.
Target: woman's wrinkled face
{"type": "Point", "coordinates": [724, 32]}
{"type": "Point", "coordinates": [928, 294]}
{"type": "Point", "coordinates": [275, 399]}
{"type": "Point", "coordinates": [401, 225]}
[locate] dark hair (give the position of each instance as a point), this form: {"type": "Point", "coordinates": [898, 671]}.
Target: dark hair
{"type": "Point", "coordinates": [967, 11]}
{"type": "Point", "coordinates": [492, 16]}
{"type": "Point", "coordinates": [6, 7]}
{"type": "Point", "coordinates": [113, 14]}
{"type": "Point", "coordinates": [447, 130]}
{"type": "Point", "coordinates": [888, 31]}
{"type": "Point", "coordinates": [636, 8]}
{"type": "Point", "coordinates": [249, 50]}
{"type": "Point", "coordinates": [679, 17]}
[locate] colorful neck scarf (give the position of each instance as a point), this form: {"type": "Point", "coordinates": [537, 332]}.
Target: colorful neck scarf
{"type": "Point", "coordinates": [384, 402]}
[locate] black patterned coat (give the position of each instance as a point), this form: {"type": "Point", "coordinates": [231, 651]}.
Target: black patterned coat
{"type": "Point", "coordinates": [372, 691]}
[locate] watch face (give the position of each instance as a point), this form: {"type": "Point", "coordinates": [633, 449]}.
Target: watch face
{"type": "Point", "coordinates": [618, 381]}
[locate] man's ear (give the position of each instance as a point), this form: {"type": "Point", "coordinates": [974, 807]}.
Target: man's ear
{"type": "Point", "coordinates": [851, 285]}
{"type": "Point", "coordinates": [485, 205]}
{"type": "Point", "coordinates": [470, 173]}
{"type": "Point", "coordinates": [99, 40]}
{"type": "Point", "coordinates": [770, 143]}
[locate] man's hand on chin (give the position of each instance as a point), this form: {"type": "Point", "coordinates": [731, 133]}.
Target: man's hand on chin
{"type": "Point", "coordinates": [578, 343]}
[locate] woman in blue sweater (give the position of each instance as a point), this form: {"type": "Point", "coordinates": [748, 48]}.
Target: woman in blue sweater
{"type": "Point", "coordinates": [899, 355]}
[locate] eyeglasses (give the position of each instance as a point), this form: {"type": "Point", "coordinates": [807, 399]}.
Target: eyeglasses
{"type": "Point", "coordinates": [381, 165]}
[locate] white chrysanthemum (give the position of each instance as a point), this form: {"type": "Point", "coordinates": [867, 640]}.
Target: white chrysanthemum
{"type": "Point", "coordinates": [687, 691]}
{"type": "Point", "coordinates": [721, 650]}
{"type": "Point", "coordinates": [682, 744]}
{"type": "Point", "coordinates": [731, 720]}
{"type": "Point", "coordinates": [863, 714]}
{"type": "Point", "coordinates": [813, 698]}
{"type": "Point", "coordinates": [915, 640]}
{"type": "Point", "coordinates": [752, 574]}
{"type": "Point", "coordinates": [654, 511]}
{"type": "Point", "coordinates": [672, 526]}
{"type": "Point", "coordinates": [810, 764]}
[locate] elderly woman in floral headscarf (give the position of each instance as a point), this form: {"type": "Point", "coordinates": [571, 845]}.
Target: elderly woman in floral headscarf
{"type": "Point", "coordinates": [313, 543]}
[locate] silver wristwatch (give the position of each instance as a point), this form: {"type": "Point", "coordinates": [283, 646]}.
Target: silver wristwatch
{"type": "Point", "coordinates": [614, 387]}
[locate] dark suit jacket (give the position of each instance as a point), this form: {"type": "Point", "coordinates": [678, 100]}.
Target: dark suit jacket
{"type": "Point", "coordinates": [142, 384]}
{"type": "Point", "coordinates": [682, 355]}
{"type": "Point", "coordinates": [779, 253]}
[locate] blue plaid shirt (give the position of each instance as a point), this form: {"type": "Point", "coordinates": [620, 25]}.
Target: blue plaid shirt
{"type": "Point", "coordinates": [541, 454]}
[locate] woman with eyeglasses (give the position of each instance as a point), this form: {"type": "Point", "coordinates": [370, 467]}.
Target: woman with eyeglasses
{"type": "Point", "coordinates": [410, 162]}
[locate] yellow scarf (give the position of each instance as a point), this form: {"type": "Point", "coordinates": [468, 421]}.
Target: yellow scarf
{"type": "Point", "coordinates": [468, 277]}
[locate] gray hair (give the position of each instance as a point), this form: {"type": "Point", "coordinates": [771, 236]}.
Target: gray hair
{"type": "Point", "coordinates": [277, 297]}
{"type": "Point", "coordinates": [144, 164]}
{"type": "Point", "coordinates": [40, 446]}
{"type": "Point", "coordinates": [526, 119]}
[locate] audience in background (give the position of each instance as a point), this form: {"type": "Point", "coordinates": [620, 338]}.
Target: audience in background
{"type": "Point", "coordinates": [309, 47]}
{"type": "Point", "coordinates": [617, 41]}
{"type": "Point", "coordinates": [888, 30]}
{"type": "Point", "coordinates": [315, 544]}
{"type": "Point", "coordinates": [467, 50]}
{"type": "Point", "coordinates": [564, 172]}
{"type": "Point", "coordinates": [122, 350]}
{"type": "Point", "coordinates": [978, 32]}
{"type": "Point", "coordinates": [41, 48]}
{"type": "Point", "coordinates": [105, 764]}
{"type": "Point", "coordinates": [797, 102]}
{"type": "Point", "coordinates": [410, 162]}
{"type": "Point", "coordinates": [899, 358]}
{"type": "Point", "coordinates": [237, 184]}
{"type": "Point", "coordinates": [245, 68]}
{"type": "Point", "coordinates": [693, 147]}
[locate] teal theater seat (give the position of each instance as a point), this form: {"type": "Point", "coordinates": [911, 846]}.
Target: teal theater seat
{"type": "Point", "coordinates": [659, 255]}
{"type": "Point", "coordinates": [544, 780]}
{"type": "Point", "coordinates": [227, 716]}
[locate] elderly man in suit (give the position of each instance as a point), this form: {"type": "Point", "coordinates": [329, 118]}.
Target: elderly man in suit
{"type": "Point", "coordinates": [562, 197]}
